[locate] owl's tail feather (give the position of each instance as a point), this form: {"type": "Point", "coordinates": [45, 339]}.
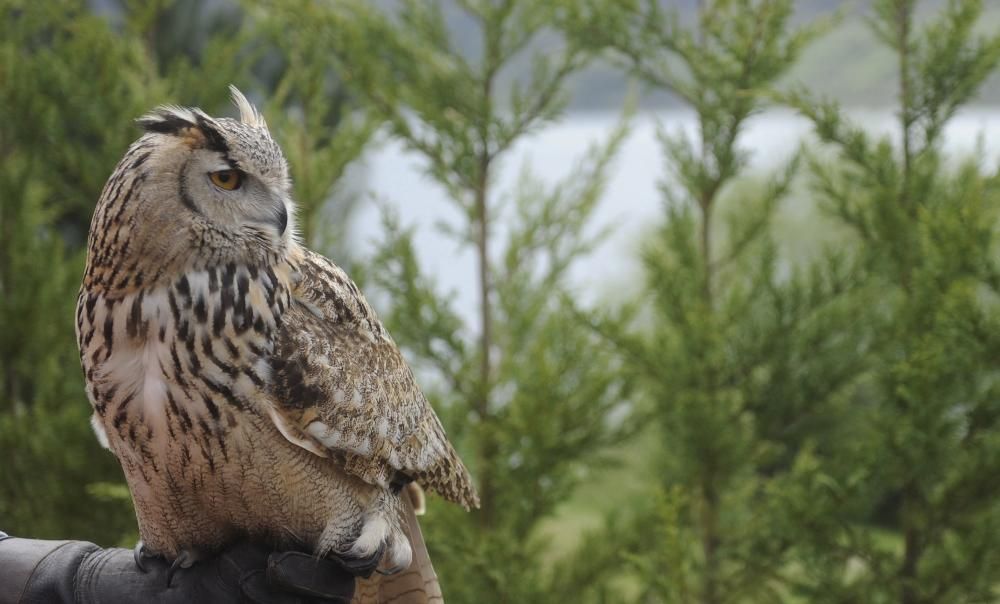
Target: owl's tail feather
{"type": "Point", "coordinates": [418, 584]}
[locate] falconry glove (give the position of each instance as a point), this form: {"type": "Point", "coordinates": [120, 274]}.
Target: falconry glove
{"type": "Point", "coordinates": [76, 572]}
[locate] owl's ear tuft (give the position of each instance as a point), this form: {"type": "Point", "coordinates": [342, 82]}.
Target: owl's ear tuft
{"type": "Point", "coordinates": [248, 113]}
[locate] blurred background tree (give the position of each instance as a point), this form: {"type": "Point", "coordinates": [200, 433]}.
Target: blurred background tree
{"type": "Point", "coordinates": [741, 352]}
{"type": "Point", "coordinates": [768, 414]}
{"type": "Point", "coordinates": [925, 227]}
{"type": "Point", "coordinates": [522, 387]}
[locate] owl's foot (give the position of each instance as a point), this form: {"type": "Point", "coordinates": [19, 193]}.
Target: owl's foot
{"type": "Point", "coordinates": [141, 553]}
{"type": "Point", "coordinates": [381, 545]}
{"type": "Point", "coordinates": [185, 559]}
{"type": "Point", "coordinates": [382, 537]}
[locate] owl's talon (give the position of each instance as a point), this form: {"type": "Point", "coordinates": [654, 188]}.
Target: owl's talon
{"type": "Point", "coordinates": [140, 553]}
{"type": "Point", "coordinates": [183, 560]}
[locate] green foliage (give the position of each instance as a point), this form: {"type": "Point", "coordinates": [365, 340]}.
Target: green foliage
{"type": "Point", "coordinates": [742, 354]}
{"type": "Point", "coordinates": [926, 229]}
{"type": "Point", "coordinates": [819, 442]}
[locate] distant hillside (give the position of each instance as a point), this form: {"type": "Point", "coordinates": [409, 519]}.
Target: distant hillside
{"type": "Point", "coordinates": [847, 64]}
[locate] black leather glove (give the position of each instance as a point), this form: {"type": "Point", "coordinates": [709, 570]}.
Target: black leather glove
{"type": "Point", "coordinates": [76, 572]}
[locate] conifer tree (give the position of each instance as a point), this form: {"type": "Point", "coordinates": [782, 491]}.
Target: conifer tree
{"type": "Point", "coordinates": [522, 387]}
{"type": "Point", "coordinates": [916, 518]}
{"type": "Point", "coordinates": [742, 353]}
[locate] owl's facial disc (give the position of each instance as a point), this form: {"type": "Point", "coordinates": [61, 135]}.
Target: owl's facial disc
{"type": "Point", "coordinates": [216, 187]}
{"type": "Point", "coordinates": [223, 182]}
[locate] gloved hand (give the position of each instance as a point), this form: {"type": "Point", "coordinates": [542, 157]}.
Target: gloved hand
{"type": "Point", "coordinates": [77, 572]}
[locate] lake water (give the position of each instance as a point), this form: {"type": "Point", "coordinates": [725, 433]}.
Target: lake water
{"type": "Point", "coordinates": [631, 201]}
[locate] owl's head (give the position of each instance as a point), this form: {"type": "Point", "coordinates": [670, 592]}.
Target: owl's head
{"type": "Point", "coordinates": [194, 191]}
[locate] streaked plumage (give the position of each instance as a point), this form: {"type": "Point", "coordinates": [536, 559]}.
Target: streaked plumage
{"type": "Point", "coordinates": [243, 382]}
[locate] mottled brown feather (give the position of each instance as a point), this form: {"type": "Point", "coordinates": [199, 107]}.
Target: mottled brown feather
{"type": "Point", "coordinates": [335, 365]}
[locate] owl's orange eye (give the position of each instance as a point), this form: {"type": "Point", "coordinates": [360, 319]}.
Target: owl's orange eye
{"type": "Point", "coordinates": [230, 180]}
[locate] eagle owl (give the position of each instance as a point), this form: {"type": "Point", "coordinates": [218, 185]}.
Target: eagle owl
{"type": "Point", "coordinates": [243, 382]}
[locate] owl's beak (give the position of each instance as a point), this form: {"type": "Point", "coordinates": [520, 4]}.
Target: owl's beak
{"type": "Point", "coordinates": [281, 218]}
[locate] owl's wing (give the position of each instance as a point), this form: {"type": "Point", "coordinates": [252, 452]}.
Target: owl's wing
{"type": "Point", "coordinates": [341, 388]}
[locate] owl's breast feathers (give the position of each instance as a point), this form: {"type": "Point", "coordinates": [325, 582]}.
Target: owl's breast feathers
{"type": "Point", "coordinates": [172, 369]}
{"type": "Point", "coordinates": [180, 363]}
{"type": "Point", "coordinates": [342, 389]}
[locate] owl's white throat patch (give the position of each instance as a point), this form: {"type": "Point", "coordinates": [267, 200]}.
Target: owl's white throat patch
{"type": "Point", "coordinates": [136, 365]}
